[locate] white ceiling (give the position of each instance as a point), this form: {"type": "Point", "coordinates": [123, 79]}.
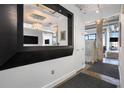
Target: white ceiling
{"type": "Point", "coordinates": [88, 12]}
{"type": "Point", "coordinates": [106, 10]}
{"type": "Point", "coordinates": [51, 17]}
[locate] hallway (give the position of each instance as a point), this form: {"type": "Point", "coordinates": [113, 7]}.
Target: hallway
{"type": "Point", "coordinates": [61, 45]}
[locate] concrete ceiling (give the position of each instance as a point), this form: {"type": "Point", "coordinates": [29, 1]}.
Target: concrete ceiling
{"type": "Point", "coordinates": [105, 10]}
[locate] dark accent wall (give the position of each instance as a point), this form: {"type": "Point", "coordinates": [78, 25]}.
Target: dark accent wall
{"type": "Point", "coordinates": [8, 32]}
{"type": "Point", "coordinates": [12, 51]}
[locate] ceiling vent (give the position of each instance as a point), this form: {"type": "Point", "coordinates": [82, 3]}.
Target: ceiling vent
{"type": "Point", "coordinates": [38, 17]}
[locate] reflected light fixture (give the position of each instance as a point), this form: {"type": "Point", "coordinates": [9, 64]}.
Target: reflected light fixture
{"type": "Point", "coordinates": [37, 26]}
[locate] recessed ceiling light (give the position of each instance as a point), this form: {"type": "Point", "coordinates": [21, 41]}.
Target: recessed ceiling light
{"type": "Point", "coordinates": [97, 11]}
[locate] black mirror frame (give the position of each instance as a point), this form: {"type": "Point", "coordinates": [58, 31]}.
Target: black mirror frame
{"type": "Point", "coordinates": [29, 55]}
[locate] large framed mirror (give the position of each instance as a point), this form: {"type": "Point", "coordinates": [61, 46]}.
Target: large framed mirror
{"type": "Point", "coordinates": [44, 32]}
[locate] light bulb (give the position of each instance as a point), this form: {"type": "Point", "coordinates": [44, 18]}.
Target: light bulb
{"type": "Point", "coordinates": [97, 11]}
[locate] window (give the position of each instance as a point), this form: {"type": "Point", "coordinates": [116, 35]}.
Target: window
{"type": "Point", "coordinates": [86, 37]}
{"type": "Point", "coordinates": [114, 40]}
{"type": "Point", "coordinates": [114, 33]}
{"type": "Point", "coordinates": [90, 37]}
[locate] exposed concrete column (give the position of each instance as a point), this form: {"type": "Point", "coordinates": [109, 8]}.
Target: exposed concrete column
{"type": "Point", "coordinates": [107, 39]}
{"type": "Point", "coordinates": [99, 40]}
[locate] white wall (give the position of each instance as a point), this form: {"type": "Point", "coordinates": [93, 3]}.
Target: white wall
{"type": "Point", "coordinates": [31, 32]}
{"type": "Point", "coordinates": [42, 35]}
{"type": "Point", "coordinates": [47, 36]}
{"type": "Point", "coordinates": [121, 54]}
{"type": "Point", "coordinates": [39, 74]}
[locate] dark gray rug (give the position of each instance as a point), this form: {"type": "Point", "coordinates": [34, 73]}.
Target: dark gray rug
{"type": "Point", "coordinates": [106, 69]}
{"type": "Point", "coordinates": [84, 81]}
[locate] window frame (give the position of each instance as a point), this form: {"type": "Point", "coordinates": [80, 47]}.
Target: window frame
{"type": "Point", "coordinates": [89, 35]}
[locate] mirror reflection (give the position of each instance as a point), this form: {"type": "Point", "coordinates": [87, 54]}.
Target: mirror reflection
{"type": "Point", "coordinates": [44, 26]}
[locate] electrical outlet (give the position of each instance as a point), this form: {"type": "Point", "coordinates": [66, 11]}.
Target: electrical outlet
{"type": "Point", "coordinates": [52, 72]}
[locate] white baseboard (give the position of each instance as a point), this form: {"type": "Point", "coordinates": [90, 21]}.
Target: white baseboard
{"type": "Point", "coordinates": [61, 79]}
{"type": "Point", "coordinates": [79, 68]}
